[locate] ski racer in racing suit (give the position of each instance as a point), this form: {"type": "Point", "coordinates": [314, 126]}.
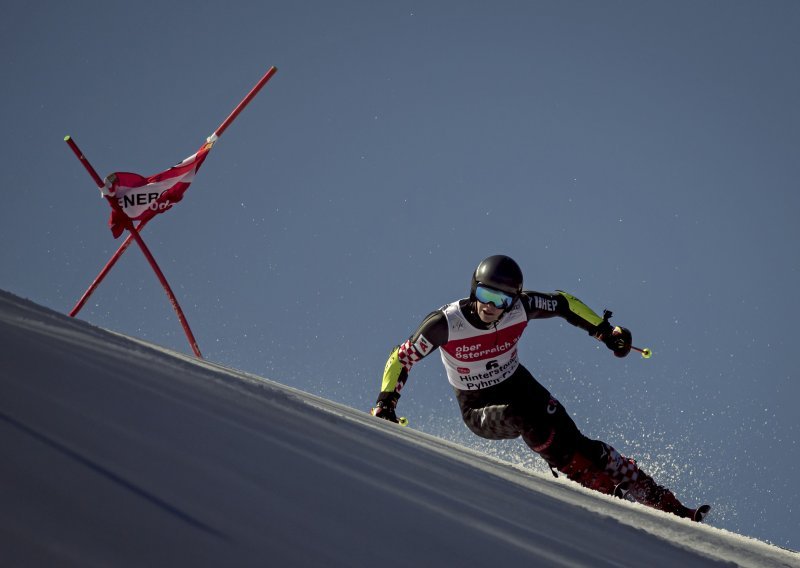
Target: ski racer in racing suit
{"type": "Point", "coordinates": [500, 399]}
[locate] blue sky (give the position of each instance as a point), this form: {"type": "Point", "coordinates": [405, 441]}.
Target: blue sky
{"type": "Point", "coordinates": [641, 156]}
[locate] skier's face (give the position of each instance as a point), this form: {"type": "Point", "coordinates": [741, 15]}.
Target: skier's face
{"type": "Point", "coordinates": [488, 313]}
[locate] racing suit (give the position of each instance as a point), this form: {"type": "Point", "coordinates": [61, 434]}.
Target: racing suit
{"type": "Point", "coordinates": [500, 399]}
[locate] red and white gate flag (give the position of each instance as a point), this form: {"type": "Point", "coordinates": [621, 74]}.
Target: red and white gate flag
{"type": "Point", "coordinates": [142, 198]}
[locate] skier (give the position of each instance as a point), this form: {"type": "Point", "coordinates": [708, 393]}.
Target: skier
{"type": "Point", "coordinates": [500, 399]}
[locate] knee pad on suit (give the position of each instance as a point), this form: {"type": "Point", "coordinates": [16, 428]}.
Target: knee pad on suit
{"type": "Point", "coordinates": [553, 435]}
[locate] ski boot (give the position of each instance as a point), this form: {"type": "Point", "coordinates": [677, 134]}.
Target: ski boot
{"type": "Point", "coordinates": [612, 473]}
{"type": "Point", "coordinates": [585, 472]}
{"type": "Point", "coordinates": [659, 498]}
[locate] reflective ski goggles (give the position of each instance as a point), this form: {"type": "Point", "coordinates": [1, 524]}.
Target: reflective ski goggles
{"type": "Point", "coordinates": [500, 299]}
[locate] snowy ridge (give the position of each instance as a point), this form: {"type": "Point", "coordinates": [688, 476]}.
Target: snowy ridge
{"type": "Point", "coordinates": [123, 453]}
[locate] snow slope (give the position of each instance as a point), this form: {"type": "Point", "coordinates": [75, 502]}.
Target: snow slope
{"type": "Point", "coordinates": [120, 453]}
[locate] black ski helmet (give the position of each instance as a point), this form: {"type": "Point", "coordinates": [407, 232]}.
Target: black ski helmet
{"type": "Point", "coordinates": [500, 272]}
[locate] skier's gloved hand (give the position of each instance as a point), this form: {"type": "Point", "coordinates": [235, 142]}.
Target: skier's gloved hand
{"type": "Point", "coordinates": [385, 406]}
{"type": "Point", "coordinates": [619, 341]}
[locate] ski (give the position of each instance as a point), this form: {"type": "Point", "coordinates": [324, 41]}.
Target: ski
{"type": "Point", "coordinates": [622, 491]}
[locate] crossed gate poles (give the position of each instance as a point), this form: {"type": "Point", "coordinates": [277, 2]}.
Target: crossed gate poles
{"type": "Point", "coordinates": [134, 230]}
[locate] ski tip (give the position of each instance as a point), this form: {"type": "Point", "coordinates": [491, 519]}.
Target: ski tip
{"type": "Point", "coordinates": [622, 491]}
{"type": "Point", "coordinates": [67, 137]}
{"type": "Point", "coordinates": [403, 421]}
{"type": "Point", "coordinates": [701, 513]}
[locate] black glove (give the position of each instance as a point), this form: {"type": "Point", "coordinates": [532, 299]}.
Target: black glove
{"type": "Point", "coordinates": [618, 339]}
{"type": "Point", "coordinates": [384, 407]}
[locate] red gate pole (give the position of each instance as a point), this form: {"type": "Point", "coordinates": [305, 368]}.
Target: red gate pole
{"type": "Point", "coordinates": [123, 247]}
{"type": "Point", "coordinates": [146, 251]}
{"type": "Point", "coordinates": [245, 101]}
{"type": "Point", "coordinates": [106, 269]}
